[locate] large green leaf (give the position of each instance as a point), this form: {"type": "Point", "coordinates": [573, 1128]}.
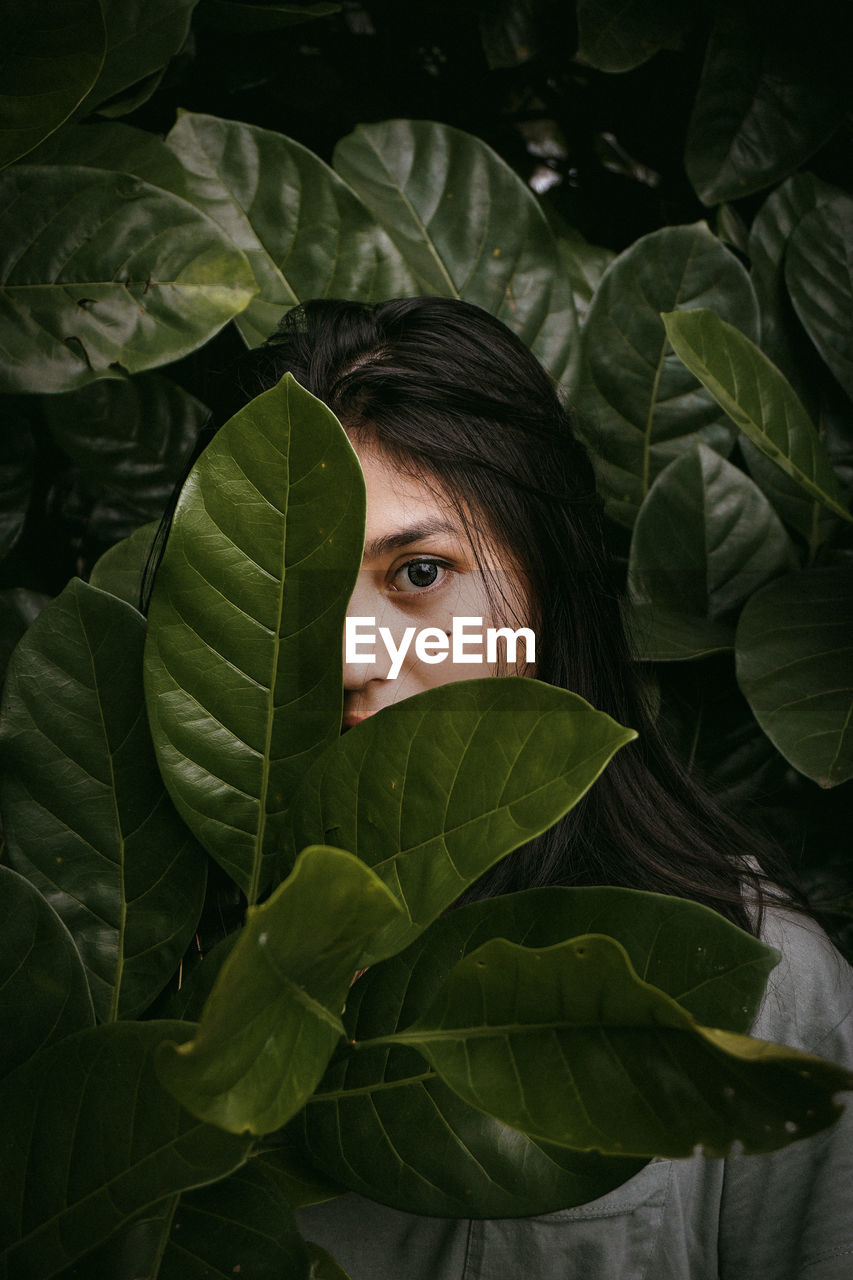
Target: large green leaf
{"type": "Point", "coordinates": [705, 538]}
{"type": "Point", "coordinates": [18, 608]}
{"type": "Point", "coordinates": [89, 1140]}
{"type": "Point", "coordinates": [142, 35]}
{"type": "Point", "coordinates": [272, 1020]}
{"type": "Point", "coordinates": [568, 1044]}
{"type": "Point", "coordinates": [243, 659]}
{"type": "Point", "coordinates": [121, 570]}
{"type": "Point", "coordinates": [819, 275]}
{"type": "Point", "coordinates": [466, 225]}
{"type": "Point", "coordinates": [101, 270]}
{"type": "Point", "coordinates": [620, 37]}
{"type": "Point", "coordinates": [769, 234]}
{"type": "Point", "coordinates": [638, 407]}
{"type": "Point", "coordinates": [662, 634]}
{"type": "Point", "coordinates": [432, 791]}
{"type": "Point", "coordinates": [758, 398]}
{"type": "Point", "coordinates": [794, 655]}
{"type": "Point", "coordinates": [51, 56]}
{"type": "Point", "coordinates": [44, 994]}
{"type": "Point", "coordinates": [306, 234]}
{"type": "Point", "coordinates": [87, 817]}
{"type": "Point", "coordinates": [133, 435]}
{"type": "Point", "coordinates": [16, 478]}
{"type": "Point", "coordinates": [237, 15]}
{"type": "Point", "coordinates": [764, 103]}
{"type": "Point", "coordinates": [383, 1124]}
{"type": "Point", "coordinates": [241, 1226]}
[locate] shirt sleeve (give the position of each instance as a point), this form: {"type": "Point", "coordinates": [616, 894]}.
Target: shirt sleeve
{"type": "Point", "coordinates": [789, 1215]}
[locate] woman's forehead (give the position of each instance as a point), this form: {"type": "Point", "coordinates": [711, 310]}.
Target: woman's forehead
{"type": "Point", "coordinates": [400, 500]}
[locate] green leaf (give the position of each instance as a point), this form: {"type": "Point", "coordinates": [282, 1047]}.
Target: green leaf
{"type": "Point", "coordinates": [115, 146]}
{"type": "Point", "coordinates": [51, 57]}
{"type": "Point", "coordinates": [272, 1020]}
{"type": "Point", "coordinates": [44, 994]}
{"type": "Point", "coordinates": [18, 608]}
{"type": "Point", "coordinates": [17, 452]}
{"type": "Point", "coordinates": [243, 658]}
{"type": "Point", "coordinates": [705, 539]}
{"type": "Point", "coordinates": [323, 1265]}
{"type": "Point", "coordinates": [121, 570]}
{"type": "Point", "coordinates": [90, 1140]}
{"type": "Point", "coordinates": [661, 634]}
{"type": "Point", "coordinates": [466, 225]}
{"type": "Point", "coordinates": [87, 818]}
{"type": "Point", "coordinates": [764, 103]}
{"type": "Point", "coordinates": [300, 1182]}
{"type": "Point", "coordinates": [638, 407]}
{"type": "Point", "coordinates": [793, 654]}
{"type": "Point", "coordinates": [567, 1043]}
{"type": "Point", "coordinates": [758, 398]}
{"type": "Point", "coordinates": [100, 270]}
{"type": "Point", "coordinates": [769, 234]}
{"type": "Point", "coordinates": [620, 37]}
{"type": "Point", "coordinates": [235, 15]}
{"type": "Point", "coordinates": [303, 230]}
{"type": "Point", "coordinates": [383, 1124]}
{"type": "Point", "coordinates": [133, 436]}
{"type": "Point", "coordinates": [515, 756]}
{"type": "Point", "coordinates": [819, 275]}
{"type": "Point", "coordinates": [241, 1226]}
{"type": "Point", "coordinates": [142, 35]}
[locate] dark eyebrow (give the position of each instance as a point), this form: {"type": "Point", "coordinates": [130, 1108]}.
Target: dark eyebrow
{"type": "Point", "coordinates": [405, 537]}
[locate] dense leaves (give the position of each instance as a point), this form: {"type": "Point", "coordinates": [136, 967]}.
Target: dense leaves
{"type": "Point", "coordinates": [87, 816]}
{"type": "Point", "coordinates": [794, 646]}
{"type": "Point", "coordinates": [639, 407]}
{"type": "Point", "coordinates": [242, 665]}
{"type": "Point", "coordinates": [51, 58]}
{"type": "Point", "coordinates": [102, 273]}
{"type": "Point", "coordinates": [515, 756]}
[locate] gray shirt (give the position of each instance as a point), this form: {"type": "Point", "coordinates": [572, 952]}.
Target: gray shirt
{"type": "Point", "coordinates": [783, 1216]}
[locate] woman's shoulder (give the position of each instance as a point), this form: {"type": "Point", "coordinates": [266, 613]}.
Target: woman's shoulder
{"type": "Point", "coordinates": [808, 1002]}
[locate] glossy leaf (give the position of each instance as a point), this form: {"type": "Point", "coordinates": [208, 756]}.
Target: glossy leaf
{"type": "Point", "coordinates": [758, 398]}
{"type": "Point", "coordinates": [301, 1183]}
{"type": "Point", "coordinates": [121, 570]}
{"type": "Point", "coordinates": [618, 38]}
{"type": "Point", "coordinates": [567, 1043]}
{"type": "Point", "coordinates": [769, 234]}
{"type": "Point", "coordinates": [133, 435]}
{"type": "Point", "coordinates": [661, 634]}
{"type": "Point", "coordinates": [86, 815]}
{"type": "Point", "coordinates": [16, 478]}
{"type": "Point", "coordinates": [323, 1265]}
{"type": "Point", "coordinates": [272, 1020]}
{"type": "Point", "coordinates": [381, 1122]}
{"type": "Point", "coordinates": [303, 230]}
{"type": "Point", "coordinates": [44, 994]}
{"type": "Point", "coordinates": [111, 1144]}
{"type": "Point", "coordinates": [819, 275]}
{"type": "Point", "coordinates": [705, 539]}
{"type": "Point", "coordinates": [466, 225]}
{"type": "Point", "coordinates": [142, 35]}
{"type": "Point", "coordinates": [794, 656]}
{"type": "Point", "coordinates": [101, 270]}
{"type": "Point", "coordinates": [243, 658]}
{"type": "Point", "coordinates": [236, 15]}
{"type": "Point", "coordinates": [763, 105]}
{"type": "Point", "coordinates": [240, 1226]}
{"type": "Point", "coordinates": [18, 608]}
{"type": "Point", "coordinates": [638, 407]}
{"type": "Point", "coordinates": [515, 756]}
{"type": "Point", "coordinates": [51, 58]}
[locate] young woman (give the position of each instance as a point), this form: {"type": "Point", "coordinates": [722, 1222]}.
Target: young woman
{"type": "Point", "coordinates": [481, 503]}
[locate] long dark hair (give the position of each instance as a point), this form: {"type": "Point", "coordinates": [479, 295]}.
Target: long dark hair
{"type": "Point", "coordinates": [449, 391]}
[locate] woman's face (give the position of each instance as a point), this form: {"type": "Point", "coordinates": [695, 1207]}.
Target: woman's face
{"type": "Point", "coordinates": [420, 571]}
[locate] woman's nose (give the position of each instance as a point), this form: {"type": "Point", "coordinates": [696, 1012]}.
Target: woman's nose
{"type": "Point", "coordinates": [361, 635]}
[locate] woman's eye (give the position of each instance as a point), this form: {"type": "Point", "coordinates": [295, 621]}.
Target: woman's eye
{"type": "Point", "coordinates": [417, 575]}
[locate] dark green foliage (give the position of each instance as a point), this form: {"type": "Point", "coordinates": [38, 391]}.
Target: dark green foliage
{"type": "Point", "coordinates": [328, 160]}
